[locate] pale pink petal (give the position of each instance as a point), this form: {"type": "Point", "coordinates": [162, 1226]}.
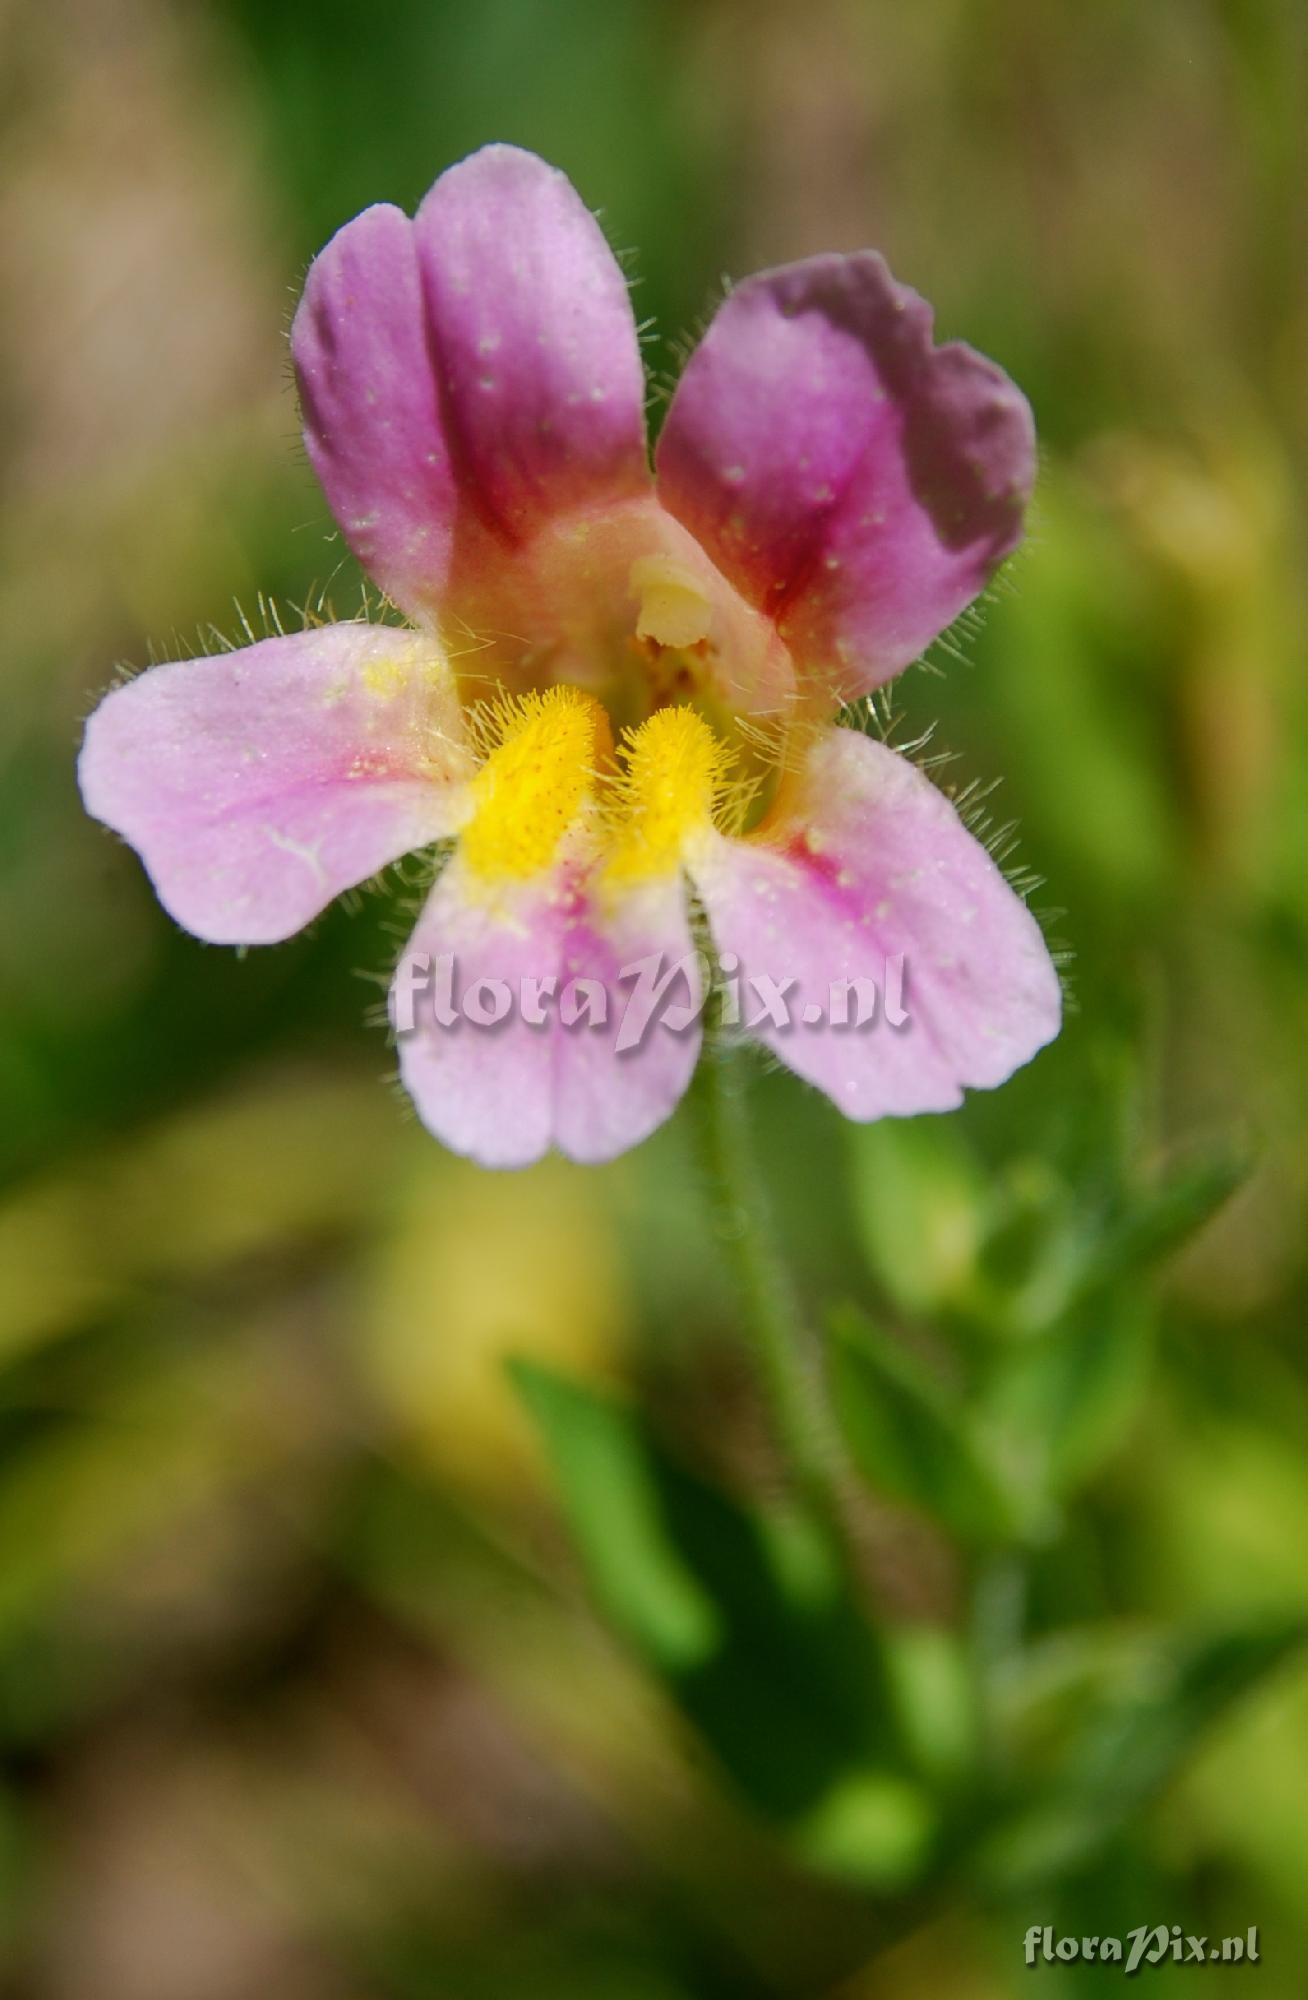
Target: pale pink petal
{"type": "Point", "coordinates": [469, 375]}
{"type": "Point", "coordinates": [851, 479]}
{"type": "Point", "coordinates": [505, 1094]}
{"type": "Point", "coordinates": [868, 863]}
{"type": "Point", "coordinates": [257, 785]}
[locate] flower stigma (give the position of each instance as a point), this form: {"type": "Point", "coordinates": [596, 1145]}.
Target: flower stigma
{"type": "Point", "coordinates": [675, 609]}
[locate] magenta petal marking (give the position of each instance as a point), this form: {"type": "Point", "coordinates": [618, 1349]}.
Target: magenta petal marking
{"type": "Point", "coordinates": [851, 479]}
{"type": "Point", "coordinates": [536, 351]}
{"type": "Point", "coordinates": [257, 785]}
{"type": "Point", "coordinates": [372, 425]}
{"type": "Point", "coordinates": [870, 864]}
{"type": "Point", "coordinates": [467, 375]}
{"type": "Point", "coordinates": [505, 1094]}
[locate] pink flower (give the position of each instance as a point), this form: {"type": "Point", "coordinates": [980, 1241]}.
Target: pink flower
{"type": "Point", "coordinates": [617, 683]}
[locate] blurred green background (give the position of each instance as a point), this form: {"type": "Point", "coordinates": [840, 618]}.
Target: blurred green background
{"type": "Point", "coordinates": [303, 1691]}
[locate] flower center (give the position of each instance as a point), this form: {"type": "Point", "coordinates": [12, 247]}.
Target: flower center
{"type": "Point", "coordinates": [622, 602]}
{"type": "Point", "coordinates": [541, 756]}
{"type": "Point", "coordinates": [548, 767]}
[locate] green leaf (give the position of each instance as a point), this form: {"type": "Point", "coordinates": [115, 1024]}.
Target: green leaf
{"type": "Point", "coordinates": [1161, 1220]}
{"type": "Point", "coordinates": [1067, 1398]}
{"type": "Point", "coordinates": [908, 1438]}
{"type": "Point", "coordinates": [1129, 1744]}
{"type": "Point", "coordinates": [615, 1500]}
{"type": "Point", "coordinates": [749, 1620]}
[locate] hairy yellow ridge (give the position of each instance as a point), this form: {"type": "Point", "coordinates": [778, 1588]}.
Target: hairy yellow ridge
{"type": "Point", "coordinates": [676, 774]}
{"type": "Point", "coordinates": [539, 772]}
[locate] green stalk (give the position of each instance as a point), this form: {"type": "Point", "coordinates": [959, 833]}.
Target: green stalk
{"type": "Point", "coordinates": [771, 1316]}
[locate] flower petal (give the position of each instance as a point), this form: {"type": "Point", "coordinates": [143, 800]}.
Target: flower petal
{"type": "Point", "coordinates": [470, 374]}
{"type": "Point", "coordinates": [372, 422]}
{"type": "Point", "coordinates": [505, 1093]}
{"type": "Point", "coordinates": [257, 785]}
{"type": "Point", "coordinates": [865, 864]}
{"type": "Point", "coordinates": [851, 479]}
{"type": "Point", "coordinates": [539, 363]}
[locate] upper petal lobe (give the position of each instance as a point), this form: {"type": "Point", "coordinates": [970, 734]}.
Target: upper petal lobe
{"type": "Point", "coordinates": [372, 420]}
{"type": "Point", "coordinates": [850, 478]}
{"type": "Point", "coordinates": [538, 361]}
{"type": "Point", "coordinates": [468, 375]}
{"type": "Point", "coordinates": [257, 785]}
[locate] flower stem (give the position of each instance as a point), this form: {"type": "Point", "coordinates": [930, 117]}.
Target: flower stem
{"type": "Point", "coordinates": [771, 1312]}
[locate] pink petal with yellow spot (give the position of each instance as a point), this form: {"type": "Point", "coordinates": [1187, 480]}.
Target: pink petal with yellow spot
{"type": "Point", "coordinates": [257, 785]}
{"type": "Point", "coordinates": [854, 481]}
{"type": "Point", "coordinates": [866, 863]}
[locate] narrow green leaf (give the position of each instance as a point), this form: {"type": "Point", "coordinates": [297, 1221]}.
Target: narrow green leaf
{"type": "Point", "coordinates": [1069, 1395]}
{"type": "Point", "coordinates": [1129, 1745]}
{"type": "Point", "coordinates": [1160, 1221]}
{"type": "Point", "coordinates": [907, 1437]}
{"type": "Point", "coordinates": [611, 1492]}
{"type": "Point", "coordinates": [752, 1625]}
